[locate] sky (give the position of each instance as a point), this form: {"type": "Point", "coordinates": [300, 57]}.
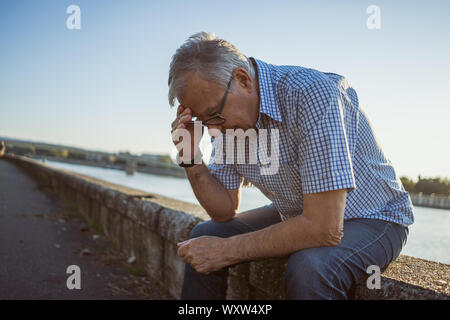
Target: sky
{"type": "Point", "coordinates": [104, 86]}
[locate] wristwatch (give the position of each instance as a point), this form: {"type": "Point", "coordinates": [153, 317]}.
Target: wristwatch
{"type": "Point", "coordinates": [192, 163]}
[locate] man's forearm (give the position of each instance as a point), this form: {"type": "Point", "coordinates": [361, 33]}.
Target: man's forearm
{"type": "Point", "coordinates": [211, 194]}
{"type": "Point", "coordinates": [280, 239]}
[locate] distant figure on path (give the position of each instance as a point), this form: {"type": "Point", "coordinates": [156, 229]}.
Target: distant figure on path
{"type": "Point", "coordinates": [338, 206]}
{"type": "Point", "coordinates": [2, 148]}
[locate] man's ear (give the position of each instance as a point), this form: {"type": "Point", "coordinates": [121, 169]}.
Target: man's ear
{"type": "Point", "coordinates": [243, 79]}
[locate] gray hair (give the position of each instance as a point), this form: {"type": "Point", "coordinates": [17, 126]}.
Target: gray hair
{"type": "Point", "coordinates": [213, 57]}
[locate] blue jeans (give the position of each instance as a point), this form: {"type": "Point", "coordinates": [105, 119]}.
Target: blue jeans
{"type": "Point", "coordinates": [315, 273]}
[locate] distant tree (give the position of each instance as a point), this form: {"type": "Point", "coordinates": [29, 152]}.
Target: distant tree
{"type": "Point", "coordinates": [43, 151]}
{"type": "Point", "coordinates": [408, 184]}
{"type": "Point", "coordinates": [55, 153]}
{"type": "Point", "coordinates": [165, 158]}
{"type": "Point", "coordinates": [120, 162]}
{"type": "Point", "coordinates": [64, 153]}
{"type": "Point", "coordinates": [107, 158]}
{"type": "Point", "coordinates": [435, 185]}
{"type": "Point", "coordinates": [22, 149]}
{"type": "Point", "coordinates": [76, 155]}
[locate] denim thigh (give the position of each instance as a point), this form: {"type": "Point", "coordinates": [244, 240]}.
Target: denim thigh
{"type": "Point", "coordinates": [330, 272]}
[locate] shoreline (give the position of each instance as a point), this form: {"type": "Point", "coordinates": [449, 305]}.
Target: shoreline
{"type": "Point", "coordinates": [418, 199]}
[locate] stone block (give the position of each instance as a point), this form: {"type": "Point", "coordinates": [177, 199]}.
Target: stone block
{"type": "Point", "coordinates": [94, 212]}
{"type": "Point", "coordinates": [139, 235]}
{"type": "Point", "coordinates": [238, 285]}
{"type": "Point", "coordinates": [153, 255]}
{"type": "Point", "coordinates": [121, 203]}
{"type": "Point", "coordinates": [396, 290]}
{"type": "Point", "coordinates": [98, 192]}
{"type": "Point", "coordinates": [69, 195]}
{"type": "Point", "coordinates": [109, 197]}
{"type": "Point", "coordinates": [89, 190]}
{"type": "Point", "coordinates": [83, 204]}
{"type": "Point", "coordinates": [55, 183]}
{"type": "Point", "coordinates": [175, 225]}
{"type": "Point", "coordinates": [84, 187]}
{"type": "Point", "coordinates": [116, 228]}
{"type": "Point", "coordinates": [127, 237]}
{"type": "Point", "coordinates": [134, 206]}
{"type": "Point", "coordinates": [267, 275]}
{"type": "Point", "coordinates": [173, 270]}
{"type": "Point", "coordinates": [105, 220]}
{"type": "Point", "coordinates": [258, 294]}
{"type": "Point", "coordinates": [148, 215]}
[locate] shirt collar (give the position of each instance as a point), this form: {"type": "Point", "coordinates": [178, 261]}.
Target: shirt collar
{"type": "Point", "coordinates": [267, 100]}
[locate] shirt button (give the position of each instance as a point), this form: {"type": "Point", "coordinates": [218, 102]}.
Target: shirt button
{"type": "Point", "coordinates": [264, 164]}
{"type": "Point", "coordinates": [274, 193]}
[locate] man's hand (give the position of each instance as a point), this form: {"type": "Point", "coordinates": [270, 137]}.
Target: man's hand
{"type": "Point", "coordinates": [206, 254]}
{"type": "Point", "coordinates": [184, 116]}
{"type": "Point", "coordinates": [2, 148]}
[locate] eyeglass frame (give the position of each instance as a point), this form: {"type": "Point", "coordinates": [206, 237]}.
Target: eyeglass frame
{"type": "Point", "coordinates": [219, 113]}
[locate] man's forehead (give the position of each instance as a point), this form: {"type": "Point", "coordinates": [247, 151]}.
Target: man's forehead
{"type": "Point", "coordinates": [200, 96]}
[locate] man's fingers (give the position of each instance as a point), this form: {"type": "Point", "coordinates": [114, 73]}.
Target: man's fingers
{"type": "Point", "coordinates": [180, 125]}
{"type": "Point", "coordinates": [181, 252]}
{"type": "Point", "coordinates": [184, 117]}
{"type": "Point", "coordinates": [184, 242]}
{"type": "Point", "coordinates": [202, 269]}
{"type": "Point", "coordinates": [180, 109]}
{"type": "Point", "coordinates": [183, 247]}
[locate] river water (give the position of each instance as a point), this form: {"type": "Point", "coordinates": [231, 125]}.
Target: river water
{"type": "Point", "coordinates": [429, 236]}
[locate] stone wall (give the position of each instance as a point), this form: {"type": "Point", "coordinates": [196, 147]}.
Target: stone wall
{"type": "Point", "coordinates": [148, 226]}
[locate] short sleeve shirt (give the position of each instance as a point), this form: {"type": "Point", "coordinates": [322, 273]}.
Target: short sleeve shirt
{"type": "Point", "coordinates": [314, 137]}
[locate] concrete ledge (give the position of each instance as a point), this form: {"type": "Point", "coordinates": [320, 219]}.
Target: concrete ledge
{"type": "Point", "coordinates": [148, 226]}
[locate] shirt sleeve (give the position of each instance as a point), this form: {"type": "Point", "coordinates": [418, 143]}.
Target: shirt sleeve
{"type": "Point", "coordinates": [225, 173]}
{"type": "Point", "coordinates": [326, 162]}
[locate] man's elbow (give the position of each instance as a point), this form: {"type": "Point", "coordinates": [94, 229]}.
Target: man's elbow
{"type": "Point", "coordinates": [330, 237]}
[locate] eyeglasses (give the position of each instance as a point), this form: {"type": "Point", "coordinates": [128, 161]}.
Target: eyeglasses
{"type": "Point", "coordinates": [217, 118]}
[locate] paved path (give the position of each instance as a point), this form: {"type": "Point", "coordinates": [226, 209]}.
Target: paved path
{"type": "Point", "coordinates": [39, 239]}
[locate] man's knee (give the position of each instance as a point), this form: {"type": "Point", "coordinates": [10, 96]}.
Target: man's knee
{"type": "Point", "coordinates": [305, 264]}
{"type": "Point", "coordinates": [201, 229]}
{"type": "Point", "coordinates": [309, 275]}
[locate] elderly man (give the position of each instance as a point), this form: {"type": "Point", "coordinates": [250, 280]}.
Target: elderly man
{"type": "Point", "coordinates": [2, 148]}
{"type": "Point", "coordinates": [338, 206]}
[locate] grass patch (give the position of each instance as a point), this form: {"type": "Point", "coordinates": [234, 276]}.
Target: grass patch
{"type": "Point", "coordinates": [95, 226]}
{"type": "Point", "coordinates": [137, 271]}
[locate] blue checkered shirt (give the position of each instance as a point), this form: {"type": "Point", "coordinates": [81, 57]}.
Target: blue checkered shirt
{"type": "Point", "coordinates": [326, 142]}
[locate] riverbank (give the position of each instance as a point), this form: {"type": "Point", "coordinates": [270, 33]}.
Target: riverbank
{"type": "Point", "coordinates": [171, 171]}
